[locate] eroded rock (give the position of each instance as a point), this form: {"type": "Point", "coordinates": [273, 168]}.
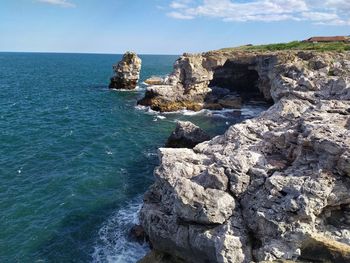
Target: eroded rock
{"type": "Point", "coordinates": [271, 188]}
{"type": "Point", "coordinates": [186, 135]}
{"type": "Point", "coordinates": [127, 72]}
{"type": "Point", "coordinates": [155, 81]}
{"type": "Point", "coordinates": [138, 234]}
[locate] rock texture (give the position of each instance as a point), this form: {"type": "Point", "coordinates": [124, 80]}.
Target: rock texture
{"type": "Point", "coordinates": [210, 80]}
{"type": "Point", "coordinates": [127, 72]}
{"type": "Point", "coordinates": [137, 233]}
{"type": "Point", "coordinates": [155, 81]}
{"type": "Point", "coordinates": [276, 187]}
{"type": "Point", "coordinates": [186, 135]}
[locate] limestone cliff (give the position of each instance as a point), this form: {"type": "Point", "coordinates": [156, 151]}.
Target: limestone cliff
{"type": "Point", "coordinates": [127, 72]}
{"type": "Point", "coordinates": [273, 187]}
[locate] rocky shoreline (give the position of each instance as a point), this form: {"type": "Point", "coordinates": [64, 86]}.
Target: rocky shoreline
{"type": "Point", "coordinates": [276, 187]}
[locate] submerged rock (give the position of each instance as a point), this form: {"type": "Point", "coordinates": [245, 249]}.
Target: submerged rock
{"type": "Point", "coordinates": [276, 187]}
{"type": "Point", "coordinates": [127, 72]}
{"type": "Point", "coordinates": [186, 135]}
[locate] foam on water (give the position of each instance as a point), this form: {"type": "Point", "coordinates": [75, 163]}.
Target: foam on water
{"type": "Point", "coordinates": [138, 88]}
{"type": "Point", "coordinates": [113, 244]}
{"type": "Point", "coordinates": [247, 111]}
{"type": "Point", "coordinates": [146, 109]}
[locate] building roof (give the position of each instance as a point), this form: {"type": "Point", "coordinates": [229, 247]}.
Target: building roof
{"type": "Point", "coordinates": [328, 39]}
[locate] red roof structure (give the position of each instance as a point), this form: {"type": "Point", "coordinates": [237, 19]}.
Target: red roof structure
{"type": "Point", "coordinates": [329, 39]}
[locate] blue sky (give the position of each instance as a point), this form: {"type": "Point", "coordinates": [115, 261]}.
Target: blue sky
{"type": "Point", "coordinates": [164, 26]}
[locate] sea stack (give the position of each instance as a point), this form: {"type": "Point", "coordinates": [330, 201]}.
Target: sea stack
{"type": "Point", "coordinates": [127, 72]}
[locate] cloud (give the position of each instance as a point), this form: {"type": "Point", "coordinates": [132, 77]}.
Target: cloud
{"type": "Point", "coordinates": [179, 15]}
{"type": "Point", "coordinates": [63, 3]}
{"type": "Point", "coordinates": [331, 12]}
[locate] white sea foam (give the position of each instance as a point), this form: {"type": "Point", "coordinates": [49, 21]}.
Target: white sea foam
{"type": "Point", "coordinates": [146, 109]}
{"type": "Point", "coordinates": [247, 110]}
{"type": "Point", "coordinates": [252, 111]}
{"type": "Point", "coordinates": [113, 245]}
{"type": "Point", "coordinates": [149, 153]}
{"type": "Point", "coordinates": [138, 88]}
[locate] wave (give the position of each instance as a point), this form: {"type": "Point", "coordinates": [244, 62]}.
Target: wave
{"type": "Point", "coordinates": [138, 88]}
{"type": "Point", "coordinates": [113, 244]}
{"type": "Point", "coordinates": [247, 111]}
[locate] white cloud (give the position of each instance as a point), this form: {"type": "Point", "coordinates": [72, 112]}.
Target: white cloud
{"type": "Point", "coordinates": [63, 3]}
{"type": "Point", "coordinates": [178, 4]}
{"type": "Point", "coordinates": [331, 12]}
{"type": "Point", "coordinates": [178, 15]}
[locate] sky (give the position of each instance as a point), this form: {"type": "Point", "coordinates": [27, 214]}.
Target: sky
{"type": "Point", "coordinates": [164, 26]}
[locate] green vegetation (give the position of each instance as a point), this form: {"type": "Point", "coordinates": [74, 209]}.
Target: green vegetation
{"type": "Point", "coordinates": [297, 45]}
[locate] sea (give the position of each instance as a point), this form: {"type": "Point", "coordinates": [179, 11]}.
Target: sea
{"type": "Point", "coordinates": [76, 157]}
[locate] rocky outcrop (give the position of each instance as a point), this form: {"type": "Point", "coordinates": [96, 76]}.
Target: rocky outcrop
{"type": "Point", "coordinates": [276, 187]}
{"type": "Point", "coordinates": [127, 72]}
{"type": "Point", "coordinates": [204, 80]}
{"type": "Point", "coordinates": [155, 81]}
{"type": "Point", "coordinates": [186, 135]}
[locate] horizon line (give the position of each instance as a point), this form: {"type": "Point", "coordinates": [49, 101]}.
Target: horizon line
{"type": "Point", "coordinates": [90, 53]}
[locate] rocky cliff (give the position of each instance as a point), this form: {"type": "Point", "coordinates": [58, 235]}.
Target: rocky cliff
{"type": "Point", "coordinates": [273, 187]}
{"type": "Point", "coordinates": [127, 72]}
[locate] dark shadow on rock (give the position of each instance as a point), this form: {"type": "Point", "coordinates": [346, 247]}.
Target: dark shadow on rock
{"type": "Point", "coordinates": [234, 84]}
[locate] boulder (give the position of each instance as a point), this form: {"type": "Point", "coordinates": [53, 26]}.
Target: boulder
{"type": "Point", "coordinates": [127, 72]}
{"type": "Point", "coordinates": [154, 81]}
{"type": "Point", "coordinates": [231, 102]}
{"type": "Point", "coordinates": [186, 135]}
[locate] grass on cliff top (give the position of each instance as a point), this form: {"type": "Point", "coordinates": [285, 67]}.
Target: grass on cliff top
{"type": "Point", "coordinates": [297, 45]}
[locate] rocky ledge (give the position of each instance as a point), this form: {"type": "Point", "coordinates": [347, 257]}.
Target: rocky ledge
{"type": "Point", "coordinates": [273, 187]}
{"type": "Point", "coordinates": [127, 72]}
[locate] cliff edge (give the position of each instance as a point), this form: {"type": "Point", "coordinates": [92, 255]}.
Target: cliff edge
{"type": "Point", "coordinates": [273, 187]}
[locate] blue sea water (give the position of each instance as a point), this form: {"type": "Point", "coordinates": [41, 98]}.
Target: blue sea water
{"type": "Point", "coordinates": [75, 157]}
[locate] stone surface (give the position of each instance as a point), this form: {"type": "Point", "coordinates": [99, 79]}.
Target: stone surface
{"type": "Point", "coordinates": [155, 81]}
{"type": "Point", "coordinates": [186, 135]}
{"type": "Point", "coordinates": [271, 188]}
{"type": "Point", "coordinates": [138, 234]}
{"type": "Point", "coordinates": [230, 102]}
{"type": "Point", "coordinates": [127, 72]}
{"type": "Point", "coordinates": [195, 76]}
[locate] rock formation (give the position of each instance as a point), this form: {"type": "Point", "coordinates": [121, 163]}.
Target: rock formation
{"type": "Point", "coordinates": [137, 233]}
{"type": "Point", "coordinates": [127, 72]}
{"type": "Point", "coordinates": [204, 80]}
{"type": "Point", "coordinates": [155, 81]}
{"type": "Point", "coordinates": [273, 187]}
{"type": "Point", "coordinates": [186, 135]}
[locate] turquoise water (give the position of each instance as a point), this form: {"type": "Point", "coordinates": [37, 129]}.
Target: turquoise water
{"type": "Point", "coordinates": [75, 157]}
